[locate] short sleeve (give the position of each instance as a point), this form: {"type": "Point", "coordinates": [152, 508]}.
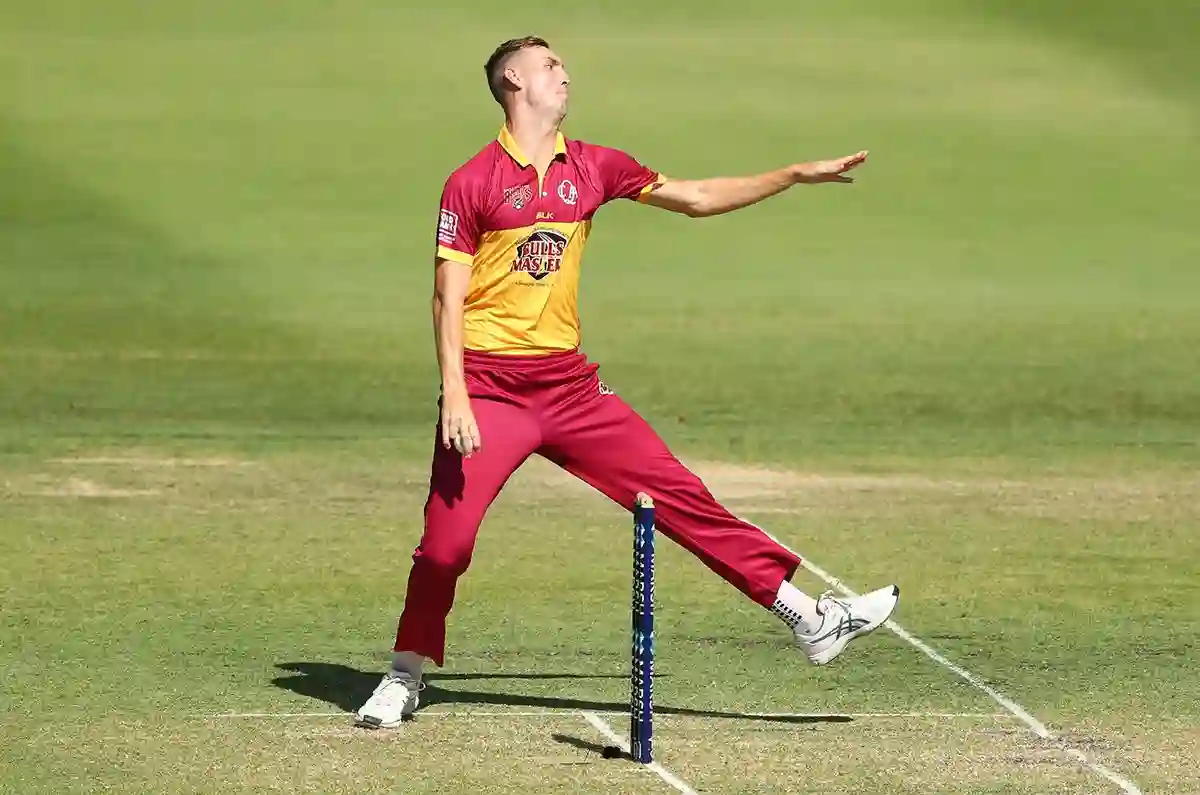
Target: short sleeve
{"type": "Point", "coordinates": [623, 177]}
{"type": "Point", "coordinates": [458, 221]}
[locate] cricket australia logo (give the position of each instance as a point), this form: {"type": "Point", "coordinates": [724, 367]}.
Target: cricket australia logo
{"type": "Point", "coordinates": [567, 192]}
{"type": "Point", "coordinates": [518, 197]}
{"type": "Point", "coordinates": [540, 254]}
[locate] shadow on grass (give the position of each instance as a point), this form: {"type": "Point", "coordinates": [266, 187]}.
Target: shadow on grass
{"type": "Point", "coordinates": [347, 688]}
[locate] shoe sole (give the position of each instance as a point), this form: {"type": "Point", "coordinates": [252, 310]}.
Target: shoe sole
{"type": "Point", "coordinates": [827, 655]}
{"type": "Point", "coordinates": [372, 722]}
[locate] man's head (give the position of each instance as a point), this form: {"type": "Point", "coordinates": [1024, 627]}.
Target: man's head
{"type": "Point", "coordinates": [528, 73]}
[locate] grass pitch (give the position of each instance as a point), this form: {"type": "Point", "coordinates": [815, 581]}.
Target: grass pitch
{"type": "Point", "coordinates": [974, 372]}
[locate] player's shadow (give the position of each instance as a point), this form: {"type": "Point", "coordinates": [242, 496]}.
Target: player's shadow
{"type": "Point", "coordinates": [347, 688]}
{"type": "Point", "coordinates": [584, 745]}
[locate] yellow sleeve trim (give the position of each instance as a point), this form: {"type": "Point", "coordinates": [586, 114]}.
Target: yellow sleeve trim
{"type": "Point", "coordinates": [455, 256]}
{"type": "Point", "coordinates": [658, 182]}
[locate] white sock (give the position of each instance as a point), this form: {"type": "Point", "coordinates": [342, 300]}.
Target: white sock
{"type": "Point", "coordinates": [409, 662]}
{"type": "Point", "coordinates": [796, 608]}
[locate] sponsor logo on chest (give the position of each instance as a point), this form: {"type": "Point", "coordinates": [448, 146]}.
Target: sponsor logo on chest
{"type": "Point", "coordinates": [540, 254]}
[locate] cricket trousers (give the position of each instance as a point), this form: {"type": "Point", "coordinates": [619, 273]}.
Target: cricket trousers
{"type": "Point", "coordinates": [557, 407]}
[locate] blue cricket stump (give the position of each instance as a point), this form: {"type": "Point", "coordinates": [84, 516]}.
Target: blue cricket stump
{"type": "Point", "coordinates": [641, 701]}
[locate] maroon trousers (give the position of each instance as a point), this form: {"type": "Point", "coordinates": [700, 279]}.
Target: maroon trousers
{"type": "Point", "coordinates": [557, 407]}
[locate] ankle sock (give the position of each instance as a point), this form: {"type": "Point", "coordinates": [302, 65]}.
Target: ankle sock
{"type": "Point", "coordinates": [797, 609]}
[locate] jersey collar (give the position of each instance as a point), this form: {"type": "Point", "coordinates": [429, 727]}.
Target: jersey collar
{"type": "Point", "coordinates": [509, 145]}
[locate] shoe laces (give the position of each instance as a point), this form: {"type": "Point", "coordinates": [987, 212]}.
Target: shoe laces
{"type": "Point", "coordinates": [829, 596]}
{"type": "Point", "coordinates": [398, 678]}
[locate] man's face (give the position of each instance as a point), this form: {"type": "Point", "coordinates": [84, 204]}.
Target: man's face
{"type": "Point", "coordinates": [543, 79]}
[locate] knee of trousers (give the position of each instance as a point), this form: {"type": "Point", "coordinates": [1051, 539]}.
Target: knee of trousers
{"type": "Point", "coordinates": [447, 558]}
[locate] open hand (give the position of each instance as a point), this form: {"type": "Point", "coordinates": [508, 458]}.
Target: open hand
{"type": "Point", "coordinates": [458, 424]}
{"type": "Point", "coordinates": [829, 170]}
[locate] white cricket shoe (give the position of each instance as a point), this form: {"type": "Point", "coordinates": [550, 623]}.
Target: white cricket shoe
{"type": "Point", "coordinates": [395, 698]}
{"type": "Point", "coordinates": [844, 619]}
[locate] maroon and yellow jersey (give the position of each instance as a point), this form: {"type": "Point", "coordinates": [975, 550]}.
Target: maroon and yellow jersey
{"type": "Point", "coordinates": [524, 236]}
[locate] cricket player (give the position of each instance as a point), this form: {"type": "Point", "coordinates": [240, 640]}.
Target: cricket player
{"type": "Point", "coordinates": [511, 231]}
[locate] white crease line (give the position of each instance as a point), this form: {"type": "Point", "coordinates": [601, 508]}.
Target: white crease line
{"type": "Point", "coordinates": [666, 775]}
{"type": "Point", "coordinates": [834, 715]}
{"type": "Point", "coordinates": [1035, 725]}
{"type": "Point", "coordinates": [281, 715]}
{"type": "Point", "coordinates": [571, 713]}
{"type": "Point", "coordinates": [424, 713]}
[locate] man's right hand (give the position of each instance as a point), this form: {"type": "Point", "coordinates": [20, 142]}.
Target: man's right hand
{"type": "Point", "coordinates": [458, 424]}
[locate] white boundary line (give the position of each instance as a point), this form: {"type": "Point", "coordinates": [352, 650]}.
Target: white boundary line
{"type": "Point", "coordinates": [608, 731]}
{"type": "Point", "coordinates": [1034, 725]}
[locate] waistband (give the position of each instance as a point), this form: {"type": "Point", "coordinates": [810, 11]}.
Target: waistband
{"type": "Point", "coordinates": [554, 360]}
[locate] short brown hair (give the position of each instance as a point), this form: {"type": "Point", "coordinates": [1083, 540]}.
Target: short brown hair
{"type": "Point", "coordinates": [494, 68]}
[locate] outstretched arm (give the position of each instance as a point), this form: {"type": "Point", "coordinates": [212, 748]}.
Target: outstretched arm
{"type": "Point", "coordinates": [699, 198]}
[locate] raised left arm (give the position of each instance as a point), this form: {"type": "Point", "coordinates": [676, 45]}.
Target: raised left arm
{"type": "Point", "coordinates": [699, 198]}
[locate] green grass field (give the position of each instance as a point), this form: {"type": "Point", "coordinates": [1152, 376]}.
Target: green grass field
{"type": "Point", "coordinates": [974, 372]}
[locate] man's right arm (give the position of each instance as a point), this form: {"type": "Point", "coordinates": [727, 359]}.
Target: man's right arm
{"type": "Point", "coordinates": [457, 237]}
{"type": "Point", "coordinates": [459, 428]}
{"type": "Point", "coordinates": [450, 282]}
